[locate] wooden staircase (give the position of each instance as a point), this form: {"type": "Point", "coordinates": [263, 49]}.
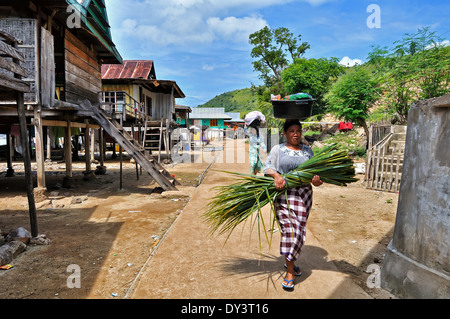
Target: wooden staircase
{"type": "Point", "coordinates": [131, 146]}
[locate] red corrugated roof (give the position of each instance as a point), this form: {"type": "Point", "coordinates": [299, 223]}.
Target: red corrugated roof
{"type": "Point", "coordinates": [130, 69]}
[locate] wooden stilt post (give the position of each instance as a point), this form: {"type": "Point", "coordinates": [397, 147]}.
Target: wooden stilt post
{"type": "Point", "coordinates": [49, 144]}
{"type": "Point", "coordinates": [92, 135]}
{"type": "Point", "coordinates": [39, 148]}
{"type": "Point", "coordinates": [27, 163]}
{"type": "Point", "coordinates": [10, 170]}
{"type": "Point", "coordinates": [101, 146]}
{"type": "Point", "coordinates": [120, 156]}
{"type": "Point", "coordinates": [134, 137]}
{"type": "Point", "coordinates": [67, 181]}
{"type": "Point", "coordinates": [68, 149]}
{"type": "Point", "coordinates": [87, 148]}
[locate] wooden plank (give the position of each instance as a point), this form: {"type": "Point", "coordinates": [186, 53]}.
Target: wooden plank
{"type": "Point", "coordinates": [47, 69]}
{"type": "Point", "coordinates": [74, 42]}
{"type": "Point", "coordinates": [80, 50]}
{"type": "Point", "coordinates": [372, 167]}
{"type": "Point", "coordinates": [8, 37]}
{"type": "Point", "coordinates": [391, 176]}
{"type": "Point", "coordinates": [75, 94]}
{"type": "Point", "coordinates": [79, 78]}
{"type": "Point", "coordinates": [368, 166]}
{"type": "Point", "coordinates": [377, 160]}
{"type": "Point", "coordinates": [382, 167]}
{"type": "Point", "coordinates": [90, 76]}
{"type": "Point", "coordinates": [11, 52]}
{"type": "Point", "coordinates": [73, 59]}
{"type": "Point", "coordinates": [9, 65]}
{"type": "Point", "coordinates": [397, 178]}
{"type": "Point", "coordinates": [13, 83]}
{"type": "Point", "coordinates": [64, 124]}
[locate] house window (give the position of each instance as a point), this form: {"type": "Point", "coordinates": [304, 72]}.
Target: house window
{"type": "Point", "coordinates": [213, 123]}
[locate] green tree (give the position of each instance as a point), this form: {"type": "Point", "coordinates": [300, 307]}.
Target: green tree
{"type": "Point", "coordinates": [415, 42]}
{"type": "Point", "coordinates": [351, 97]}
{"type": "Point", "coordinates": [274, 50]}
{"type": "Point", "coordinates": [313, 76]}
{"type": "Point", "coordinates": [417, 67]}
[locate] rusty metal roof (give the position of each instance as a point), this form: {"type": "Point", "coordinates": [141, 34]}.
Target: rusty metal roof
{"type": "Point", "coordinates": [130, 69]}
{"type": "Point", "coordinates": [140, 72]}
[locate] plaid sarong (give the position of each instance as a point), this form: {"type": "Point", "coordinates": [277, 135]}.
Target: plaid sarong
{"type": "Point", "coordinates": [292, 218]}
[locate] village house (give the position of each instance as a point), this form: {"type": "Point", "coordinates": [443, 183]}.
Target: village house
{"type": "Point", "coordinates": [235, 120]}
{"type": "Point", "coordinates": [131, 90]}
{"type": "Point", "coordinates": [212, 117]}
{"type": "Point", "coordinates": [51, 60]}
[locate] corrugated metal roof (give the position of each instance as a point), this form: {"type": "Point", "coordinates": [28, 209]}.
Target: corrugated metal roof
{"type": "Point", "coordinates": [235, 116]}
{"type": "Point", "coordinates": [130, 69]}
{"type": "Point", "coordinates": [209, 113]}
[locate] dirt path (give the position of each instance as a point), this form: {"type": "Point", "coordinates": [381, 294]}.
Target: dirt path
{"type": "Point", "coordinates": [112, 235]}
{"type": "Point", "coordinates": [349, 230]}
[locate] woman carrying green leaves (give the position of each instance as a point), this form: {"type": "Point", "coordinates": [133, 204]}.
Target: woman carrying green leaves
{"type": "Point", "coordinates": [290, 170]}
{"type": "Point", "coordinates": [292, 206]}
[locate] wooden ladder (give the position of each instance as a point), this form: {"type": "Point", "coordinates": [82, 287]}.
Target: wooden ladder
{"type": "Point", "coordinates": [153, 136]}
{"type": "Point", "coordinates": [132, 147]}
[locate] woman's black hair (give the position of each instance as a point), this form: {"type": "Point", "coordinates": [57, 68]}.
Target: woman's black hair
{"type": "Point", "coordinates": [255, 123]}
{"type": "Point", "coordinates": [289, 122]}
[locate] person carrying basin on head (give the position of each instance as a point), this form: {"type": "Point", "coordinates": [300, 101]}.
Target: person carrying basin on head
{"type": "Point", "coordinates": [253, 121]}
{"type": "Point", "coordinates": [292, 207]}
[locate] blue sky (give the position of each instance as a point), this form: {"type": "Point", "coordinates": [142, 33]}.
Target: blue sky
{"type": "Point", "coordinates": [203, 44]}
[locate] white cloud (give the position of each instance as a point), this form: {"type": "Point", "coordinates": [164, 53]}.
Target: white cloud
{"type": "Point", "coordinates": [235, 29]}
{"type": "Point", "coordinates": [207, 67]}
{"type": "Point", "coordinates": [346, 61]}
{"type": "Point", "coordinates": [187, 22]}
{"type": "Point", "coordinates": [212, 67]}
{"type": "Point", "coordinates": [442, 44]}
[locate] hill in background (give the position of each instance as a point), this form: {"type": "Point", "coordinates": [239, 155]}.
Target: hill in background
{"type": "Point", "coordinates": [242, 101]}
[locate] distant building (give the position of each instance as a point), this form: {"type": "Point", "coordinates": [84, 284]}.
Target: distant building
{"type": "Point", "coordinates": [212, 117]}
{"type": "Point", "coordinates": [235, 121]}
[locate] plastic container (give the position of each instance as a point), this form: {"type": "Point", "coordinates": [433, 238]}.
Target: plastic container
{"type": "Point", "coordinates": [292, 109]}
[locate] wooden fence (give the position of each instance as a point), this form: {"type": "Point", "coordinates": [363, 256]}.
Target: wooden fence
{"type": "Point", "coordinates": [385, 158]}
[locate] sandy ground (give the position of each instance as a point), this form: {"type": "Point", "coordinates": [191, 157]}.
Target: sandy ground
{"type": "Point", "coordinates": [110, 233]}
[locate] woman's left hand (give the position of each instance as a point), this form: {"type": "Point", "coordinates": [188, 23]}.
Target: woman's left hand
{"type": "Point", "coordinates": [316, 180]}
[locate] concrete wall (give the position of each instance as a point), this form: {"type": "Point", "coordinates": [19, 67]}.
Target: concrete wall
{"type": "Point", "coordinates": [417, 263]}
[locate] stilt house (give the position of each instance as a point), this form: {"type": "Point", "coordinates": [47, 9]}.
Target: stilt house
{"type": "Point", "coordinates": [51, 52]}
{"type": "Point", "coordinates": [132, 88]}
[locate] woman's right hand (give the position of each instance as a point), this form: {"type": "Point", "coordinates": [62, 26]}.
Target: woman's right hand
{"type": "Point", "coordinates": [279, 182]}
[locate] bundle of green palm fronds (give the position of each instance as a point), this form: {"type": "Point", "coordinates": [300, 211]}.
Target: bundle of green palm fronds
{"type": "Point", "coordinates": [235, 203]}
